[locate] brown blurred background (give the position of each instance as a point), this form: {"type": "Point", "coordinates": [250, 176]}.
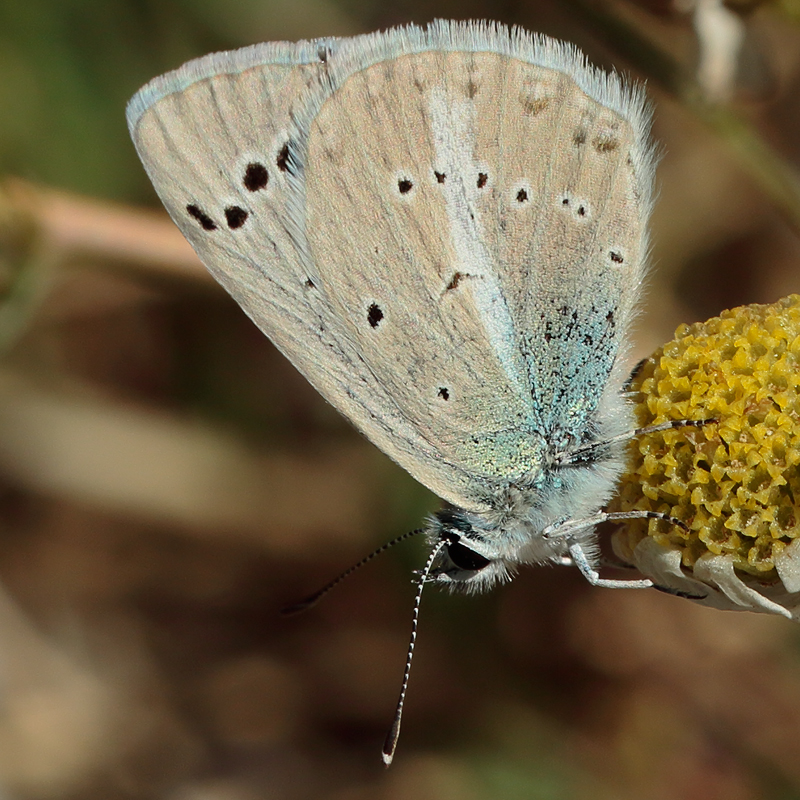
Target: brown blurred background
{"type": "Point", "coordinates": [167, 481]}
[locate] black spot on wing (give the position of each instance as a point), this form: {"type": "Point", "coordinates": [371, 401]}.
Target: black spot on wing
{"type": "Point", "coordinates": [282, 161]}
{"type": "Point", "coordinates": [374, 315]}
{"type": "Point", "coordinates": [206, 223]}
{"type": "Point", "coordinates": [256, 177]}
{"type": "Point", "coordinates": [236, 216]}
{"type": "Point", "coordinates": [580, 208]}
{"type": "Point", "coordinates": [455, 280]}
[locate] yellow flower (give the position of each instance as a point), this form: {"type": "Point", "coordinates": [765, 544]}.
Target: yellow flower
{"type": "Point", "coordinates": [735, 482]}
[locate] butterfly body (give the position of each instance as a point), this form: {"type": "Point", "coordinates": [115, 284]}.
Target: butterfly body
{"type": "Point", "coordinates": [445, 230]}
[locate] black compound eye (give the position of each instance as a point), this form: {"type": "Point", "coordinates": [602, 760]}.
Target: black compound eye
{"type": "Point", "coordinates": [464, 558]}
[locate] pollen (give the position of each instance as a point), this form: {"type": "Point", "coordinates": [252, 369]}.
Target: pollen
{"type": "Point", "coordinates": [735, 482]}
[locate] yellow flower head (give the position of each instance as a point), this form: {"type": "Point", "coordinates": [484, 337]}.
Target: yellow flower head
{"type": "Point", "coordinates": [734, 482]}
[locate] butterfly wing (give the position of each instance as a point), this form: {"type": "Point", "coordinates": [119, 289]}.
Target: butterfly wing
{"type": "Point", "coordinates": [386, 209]}
{"type": "Point", "coordinates": [473, 203]}
{"type": "Point", "coordinates": [214, 137]}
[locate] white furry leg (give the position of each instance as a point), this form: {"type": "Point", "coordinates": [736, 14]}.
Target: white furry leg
{"type": "Point", "coordinates": [591, 574]}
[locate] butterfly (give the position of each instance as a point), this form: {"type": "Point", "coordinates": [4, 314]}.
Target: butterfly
{"type": "Point", "coordinates": [445, 229]}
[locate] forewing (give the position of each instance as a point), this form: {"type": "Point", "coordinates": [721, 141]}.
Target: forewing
{"type": "Point", "coordinates": [214, 137]}
{"type": "Point", "coordinates": [474, 204]}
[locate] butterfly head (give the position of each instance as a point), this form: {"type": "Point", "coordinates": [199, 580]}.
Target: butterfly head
{"type": "Point", "coordinates": [469, 559]}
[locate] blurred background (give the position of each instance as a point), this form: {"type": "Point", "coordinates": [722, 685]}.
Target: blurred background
{"type": "Point", "coordinates": [168, 482]}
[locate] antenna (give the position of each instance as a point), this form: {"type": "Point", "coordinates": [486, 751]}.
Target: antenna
{"type": "Point", "coordinates": [312, 600]}
{"type": "Point", "coordinates": [580, 453]}
{"type": "Point", "coordinates": [390, 745]}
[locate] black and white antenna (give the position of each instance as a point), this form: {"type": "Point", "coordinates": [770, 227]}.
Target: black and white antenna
{"type": "Point", "coordinates": [312, 600]}
{"type": "Point", "coordinates": [390, 745]}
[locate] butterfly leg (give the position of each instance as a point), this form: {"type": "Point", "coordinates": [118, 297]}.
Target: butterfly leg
{"type": "Point", "coordinates": [592, 575]}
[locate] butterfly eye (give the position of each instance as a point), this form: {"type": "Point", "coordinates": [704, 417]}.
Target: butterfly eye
{"type": "Point", "coordinates": [465, 558]}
